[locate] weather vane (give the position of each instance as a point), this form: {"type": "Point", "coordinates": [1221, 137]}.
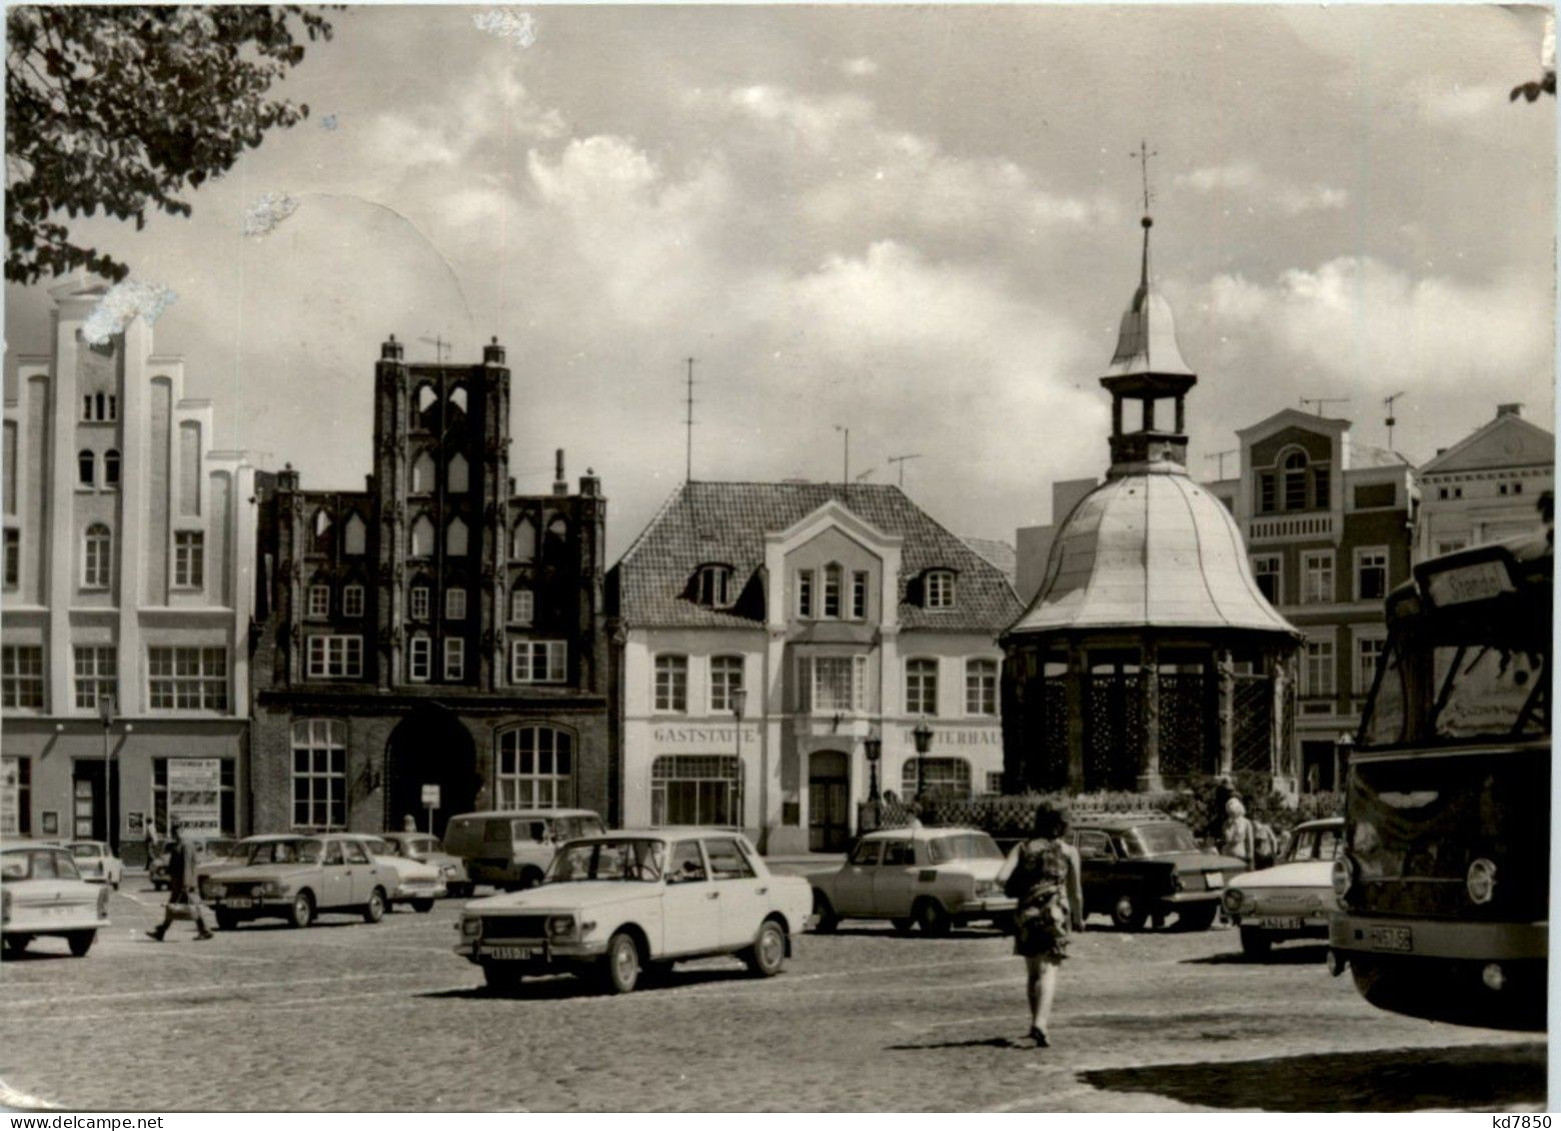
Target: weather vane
{"type": "Point", "coordinates": [1144, 153]}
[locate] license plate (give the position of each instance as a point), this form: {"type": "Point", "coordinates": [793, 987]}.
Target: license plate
{"type": "Point", "coordinates": [509, 953]}
{"type": "Point", "coordinates": [1280, 924]}
{"type": "Point", "coordinates": [1390, 938]}
{"type": "Point", "coordinates": [238, 902]}
{"type": "Point", "coordinates": [1216, 879]}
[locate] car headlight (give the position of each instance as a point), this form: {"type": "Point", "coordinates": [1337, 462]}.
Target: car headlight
{"type": "Point", "coordinates": [471, 926]}
{"type": "Point", "coordinates": [1481, 880]}
{"type": "Point", "coordinates": [271, 888]}
{"type": "Point", "coordinates": [1342, 877]}
{"type": "Point", "coordinates": [987, 888]}
{"type": "Point", "coordinates": [560, 926]}
{"type": "Point", "coordinates": [1234, 899]}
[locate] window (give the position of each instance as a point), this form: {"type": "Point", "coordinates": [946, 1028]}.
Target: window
{"type": "Point", "coordinates": [100, 407]}
{"type": "Point", "coordinates": [13, 558]}
{"type": "Point", "coordinates": [181, 802]}
{"type": "Point", "coordinates": [1265, 571]}
{"type": "Point", "coordinates": [672, 683]}
{"type": "Point", "coordinates": [1265, 493]}
{"type": "Point", "coordinates": [319, 601]}
{"type": "Point", "coordinates": [455, 539]}
{"type": "Point", "coordinates": [189, 559]}
{"type": "Point", "coordinates": [16, 796]}
{"type": "Point", "coordinates": [538, 661]}
{"type": "Point", "coordinates": [727, 861]}
{"type": "Point", "coordinates": [422, 545]}
{"type": "Point", "coordinates": [832, 592]}
{"type": "Point", "coordinates": [522, 605]}
{"type": "Point", "coordinates": [834, 683]}
{"type": "Point", "coordinates": [946, 777]}
{"type": "Point", "coordinates": [427, 402]}
{"type": "Point", "coordinates": [940, 589]}
{"type": "Point", "coordinates": [97, 670]}
{"type": "Point", "coordinates": [419, 603]}
{"type": "Point", "coordinates": [859, 595]}
{"type": "Point", "coordinates": [111, 468]}
{"type": "Point", "coordinates": [994, 782]}
{"type": "Point", "coordinates": [1317, 577]}
{"type": "Point", "coordinates": [86, 467]}
{"type": "Point", "coordinates": [419, 658]}
{"type": "Point", "coordinates": [1317, 669]}
{"type": "Point", "coordinates": [1371, 573]}
{"type": "Point", "coordinates": [1295, 481]}
{"type": "Point", "coordinates": [726, 676]}
{"type": "Point", "coordinates": [455, 604]}
{"type": "Point", "coordinates": [457, 476]}
{"type": "Point", "coordinates": [352, 601]}
{"type": "Point", "coordinates": [97, 547]}
{"type": "Point", "coordinates": [335, 657]}
{"type": "Point", "coordinates": [319, 774]}
{"type": "Point", "coordinates": [187, 679]}
{"type": "Point", "coordinates": [1320, 488]}
{"type": "Point", "coordinates": [320, 532]}
{"type": "Point", "coordinates": [454, 658]}
{"type": "Point", "coordinates": [21, 675]}
{"type": "Point", "coordinates": [523, 541]}
{"type": "Point", "coordinates": [713, 586]}
{"type": "Point", "coordinates": [805, 593]}
{"type": "Point", "coordinates": [1368, 653]}
{"type": "Point", "coordinates": [981, 687]}
{"type": "Point", "coordinates": [696, 789]}
{"type": "Point", "coordinates": [921, 687]}
{"type": "Point", "coordinates": [457, 398]}
{"type": "Point", "coordinates": [536, 768]}
{"type": "Point", "coordinates": [356, 535]}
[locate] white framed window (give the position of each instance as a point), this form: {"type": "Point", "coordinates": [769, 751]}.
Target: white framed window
{"type": "Point", "coordinates": [921, 687]}
{"type": "Point", "coordinates": [319, 600]}
{"type": "Point", "coordinates": [189, 559]}
{"type": "Point", "coordinates": [455, 604]}
{"type": "Point", "coordinates": [1371, 573]}
{"type": "Point", "coordinates": [97, 674]}
{"type": "Point", "coordinates": [834, 683]}
{"type": "Point", "coordinates": [97, 557]}
{"type": "Point", "coordinates": [940, 589]}
{"type": "Point", "coordinates": [319, 774]}
{"type": "Point", "coordinates": [1317, 577]}
{"type": "Point", "coordinates": [187, 679]}
{"type": "Point", "coordinates": [1295, 481]}
{"type": "Point", "coordinates": [672, 683]}
{"type": "Point", "coordinates": [1368, 653]}
{"type": "Point", "coordinates": [454, 658]}
{"type": "Point", "coordinates": [946, 777]}
{"type": "Point", "coordinates": [419, 603]}
{"type": "Point", "coordinates": [352, 601]}
{"type": "Point", "coordinates": [335, 657]}
{"type": "Point", "coordinates": [859, 595]}
{"type": "Point", "coordinates": [420, 651]}
{"type": "Point", "coordinates": [1317, 667]}
{"type": "Point", "coordinates": [726, 676]}
{"type": "Point", "coordinates": [805, 594]}
{"type": "Point", "coordinates": [536, 768]}
{"type": "Point", "coordinates": [539, 661]}
{"type": "Point", "coordinates": [696, 789]}
{"type": "Point", "coordinates": [832, 576]}
{"type": "Point", "coordinates": [1267, 571]}
{"type": "Point", "coordinates": [21, 675]}
{"type": "Point", "coordinates": [713, 586]}
{"type": "Point", "coordinates": [981, 687]}
{"type": "Point", "coordinates": [522, 605]}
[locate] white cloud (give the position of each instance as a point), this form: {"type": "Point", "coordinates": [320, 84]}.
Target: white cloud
{"type": "Point", "coordinates": [1245, 178]}
{"type": "Point", "coordinates": [860, 67]}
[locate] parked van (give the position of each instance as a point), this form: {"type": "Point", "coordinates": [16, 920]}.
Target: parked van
{"type": "Point", "coordinates": [511, 848]}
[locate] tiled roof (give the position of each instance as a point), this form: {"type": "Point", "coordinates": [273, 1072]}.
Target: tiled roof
{"type": "Point", "coordinates": [707, 523]}
{"type": "Point", "coordinates": [1000, 554]}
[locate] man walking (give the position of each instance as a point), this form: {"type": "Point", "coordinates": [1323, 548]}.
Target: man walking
{"type": "Point", "coordinates": [183, 887]}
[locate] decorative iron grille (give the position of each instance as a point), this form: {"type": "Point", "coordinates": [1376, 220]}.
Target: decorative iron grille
{"type": "Point", "coordinates": [1114, 732]}
{"type": "Point", "coordinates": [1184, 723]}
{"type": "Point", "coordinates": [1253, 707]}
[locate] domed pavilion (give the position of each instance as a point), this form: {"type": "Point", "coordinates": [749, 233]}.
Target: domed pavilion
{"type": "Point", "coordinates": [1149, 654]}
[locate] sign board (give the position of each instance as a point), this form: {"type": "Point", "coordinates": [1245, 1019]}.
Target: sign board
{"type": "Point", "coordinates": [195, 794]}
{"type": "Point", "coordinates": [430, 797]}
{"type": "Point", "coordinates": [10, 796]}
{"type": "Point", "coordinates": [1479, 581]}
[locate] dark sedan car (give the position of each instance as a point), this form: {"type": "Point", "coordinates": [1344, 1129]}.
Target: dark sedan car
{"type": "Point", "coordinates": [1138, 865]}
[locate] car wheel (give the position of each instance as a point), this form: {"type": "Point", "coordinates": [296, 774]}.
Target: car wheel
{"type": "Point", "coordinates": [1255, 942]}
{"type": "Point", "coordinates": [502, 977]}
{"type": "Point", "coordinates": [768, 953]}
{"type": "Point", "coordinates": [227, 921]}
{"type": "Point", "coordinates": [302, 912]}
{"type": "Point", "coordinates": [902, 925]}
{"type": "Point", "coordinates": [1127, 915]}
{"type": "Point", "coordinates": [932, 917]}
{"type": "Point", "coordinates": [81, 942]}
{"type": "Point", "coordinates": [423, 906]}
{"type": "Point", "coordinates": [530, 878]}
{"type": "Point", "coordinates": [825, 910]}
{"type": "Point", "coordinates": [1199, 918]}
{"type": "Point", "coordinates": [374, 909]}
{"type": "Point", "coordinates": [15, 944]}
{"type": "Point", "coordinates": [620, 970]}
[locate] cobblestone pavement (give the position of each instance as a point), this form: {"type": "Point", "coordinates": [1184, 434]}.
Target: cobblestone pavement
{"type": "Point", "coordinates": [351, 1016]}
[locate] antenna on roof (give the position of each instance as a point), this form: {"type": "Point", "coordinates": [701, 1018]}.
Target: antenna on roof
{"type": "Point", "coordinates": [688, 462]}
{"type": "Point", "coordinates": [901, 461]}
{"type": "Point", "coordinates": [1221, 457]}
{"type": "Point", "coordinates": [1392, 420]}
{"type": "Point", "coordinates": [1322, 402]}
{"type": "Point", "coordinates": [441, 347]}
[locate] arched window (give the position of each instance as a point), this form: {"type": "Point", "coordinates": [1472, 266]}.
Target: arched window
{"type": "Point", "coordinates": [523, 541]}
{"type": "Point", "coordinates": [456, 478]}
{"type": "Point", "coordinates": [536, 768]}
{"type": "Point", "coordinates": [422, 537]}
{"type": "Point", "coordinates": [320, 532]}
{"type": "Point", "coordinates": [423, 474]}
{"type": "Point", "coordinates": [356, 534]}
{"type": "Point", "coordinates": [111, 467]}
{"type": "Point", "coordinates": [455, 539]}
{"type": "Point", "coordinates": [1295, 481]}
{"type": "Point", "coordinates": [86, 467]}
{"type": "Point", "coordinates": [457, 399]}
{"type": "Point", "coordinates": [97, 556]}
{"type": "Point", "coordinates": [426, 402]}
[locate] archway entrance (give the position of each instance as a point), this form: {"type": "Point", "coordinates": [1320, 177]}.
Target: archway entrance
{"type": "Point", "coordinates": [429, 747]}
{"type": "Point", "coordinates": [829, 802]}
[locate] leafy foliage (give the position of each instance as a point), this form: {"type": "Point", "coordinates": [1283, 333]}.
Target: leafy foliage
{"type": "Point", "coordinates": [124, 108]}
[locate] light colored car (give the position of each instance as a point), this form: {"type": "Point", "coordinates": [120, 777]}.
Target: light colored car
{"type": "Point", "coordinates": [1294, 898]}
{"type": "Point", "coordinates": [298, 877]}
{"type": "Point", "coordinates": [424, 847]}
{"type": "Point", "coordinates": [211, 855]}
{"type": "Point", "coordinates": [615, 905]}
{"type": "Point", "coordinates": [931, 878]}
{"type": "Point", "coordinates": [97, 863]}
{"type": "Point", "coordinates": [512, 848]}
{"type": "Point", "coordinates": [416, 883]}
{"type": "Point", "coordinates": [43, 895]}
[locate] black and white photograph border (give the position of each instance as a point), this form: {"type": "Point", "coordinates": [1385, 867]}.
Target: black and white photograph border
{"type": "Point", "coordinates": [863, 558]}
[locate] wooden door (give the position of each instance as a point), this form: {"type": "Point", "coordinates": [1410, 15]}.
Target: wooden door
{"type": "Point", "coordinates": [829, 802]}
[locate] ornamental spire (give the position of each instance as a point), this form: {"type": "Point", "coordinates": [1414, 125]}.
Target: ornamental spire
{"type": "Point", "coordinates": [1144, 153]}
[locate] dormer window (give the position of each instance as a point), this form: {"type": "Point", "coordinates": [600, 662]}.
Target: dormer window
{"type": "Point", "coordinates": [939, 589]}
{"type": "Point", "coordinates": [832, 591]}
{"type": "Point", "coordinates": [713, 586]}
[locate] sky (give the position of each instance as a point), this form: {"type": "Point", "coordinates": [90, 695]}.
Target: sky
{"type": "Point", "coordinates": [920, 224]}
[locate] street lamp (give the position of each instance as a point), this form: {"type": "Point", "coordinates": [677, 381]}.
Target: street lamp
{"type": "Point", "coordinates": [923, 736]}
{"type": "Point", "coordinates": [1342, 747]}
{"type": "Point", "coordinates": [739, 699]}
{"type": "Point", "coordinates": [872, 746]}
{"type": "Point", "coordinates": [106, 716]}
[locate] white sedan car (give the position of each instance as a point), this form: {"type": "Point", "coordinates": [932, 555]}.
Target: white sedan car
{"type": "Point", "coordinates": [1293, 899]}
{"type": "Point", "coordinates": [97, 863]}
{"type": "Point", "coordinates": [416, 883]}
{"type": "Point", "coordinates": [614, 905]}
{"type": "Point", "coordinates": [42, 895]}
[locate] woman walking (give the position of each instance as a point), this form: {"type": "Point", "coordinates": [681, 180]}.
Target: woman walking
{"type": "Point", "coordinates": [1043, 875]}
{"type": "Point", "coordinates": [1237, 838]}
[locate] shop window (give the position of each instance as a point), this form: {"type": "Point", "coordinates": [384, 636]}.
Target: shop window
{"type": "Point", "coordinates": [696, 789]}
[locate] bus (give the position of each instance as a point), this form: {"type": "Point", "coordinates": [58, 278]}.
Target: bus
{"type": "Point", "coordinates": [1443, 887]}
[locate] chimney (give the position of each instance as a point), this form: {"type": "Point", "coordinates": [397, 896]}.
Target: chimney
{"type": "Point", "coordinates": [590, 485]}
{"type": "Point", "coordinates": [287, 479]}
{"type": "Point", "coordinates": [493, 353]}
{"type": "Point", "coordinates": [390, 350]}
{"type": "Point", "coordinates": [560, 484]}
{"type": "Point", "coordinates": [1508, 410]}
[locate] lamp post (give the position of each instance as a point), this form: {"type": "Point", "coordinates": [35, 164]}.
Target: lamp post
{"type": "Point", "coordinates": [923, 736]}
{"type": "Point", "coordinates": [1342, 747]}
{"type": "Point", "coordinates": [739, 697]}
{"type": "Point", "coordinates": [872, 746]}
{"type": "Point", "coordinates": [106, 716]}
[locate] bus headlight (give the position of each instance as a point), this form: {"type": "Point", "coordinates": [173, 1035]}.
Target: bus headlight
{"type": "Point", "coordinates": [1342, 877]}
{"type": "Point", "coordinates": [1481, 880]}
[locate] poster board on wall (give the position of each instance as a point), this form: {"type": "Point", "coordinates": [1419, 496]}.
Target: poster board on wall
{"type": "Point", "coordinates": [195, 794]}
